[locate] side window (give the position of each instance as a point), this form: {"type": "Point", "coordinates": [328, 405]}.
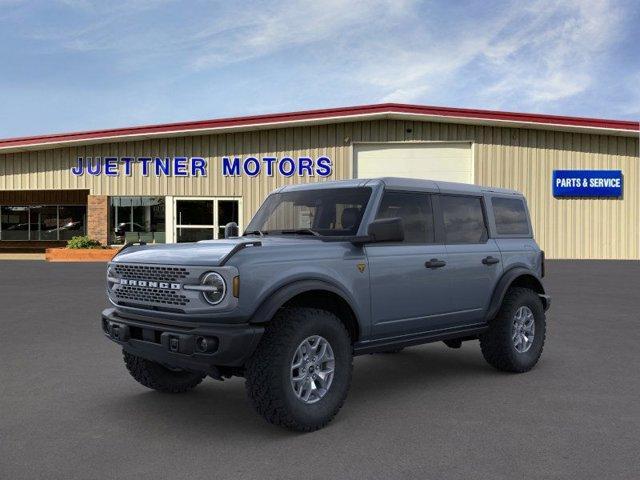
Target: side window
{"type": "Point", "coordinates": [511, 216]}
{"type": "Point", "coordinates": [415, 211]}
{"type": "Point", "coordinates": [463, 219]}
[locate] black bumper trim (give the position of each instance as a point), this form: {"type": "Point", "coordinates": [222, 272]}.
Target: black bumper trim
{"type": "Point", "coordinates": [175, 345]}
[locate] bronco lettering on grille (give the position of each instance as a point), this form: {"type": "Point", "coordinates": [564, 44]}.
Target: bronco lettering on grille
{"type": "Point", "coordinates": [149, 284]}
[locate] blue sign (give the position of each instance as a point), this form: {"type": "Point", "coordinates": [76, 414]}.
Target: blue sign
{"type": "Point", "coordinates": [587, 183]}
{"type": "Point", "coordinates": [197, 166]}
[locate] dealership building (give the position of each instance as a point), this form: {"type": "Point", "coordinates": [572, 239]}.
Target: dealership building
{"type": "Point", "coordinates": [184, 181]}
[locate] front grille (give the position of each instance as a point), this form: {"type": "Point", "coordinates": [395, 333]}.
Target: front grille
{"type": "Point", "coordinates": [134, 294]}
{"type": "Point", "coordinates": [152, 273]}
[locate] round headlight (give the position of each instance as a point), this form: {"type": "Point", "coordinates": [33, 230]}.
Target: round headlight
{"type": "Point", "coordinates": [216, 288]}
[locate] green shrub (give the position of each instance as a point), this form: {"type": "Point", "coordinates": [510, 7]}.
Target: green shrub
{"type": "Point", "coordinates": [82, 241]}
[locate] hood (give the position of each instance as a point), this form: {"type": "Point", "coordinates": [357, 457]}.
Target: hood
{"type": "Point", "coordinates": [206, 253]}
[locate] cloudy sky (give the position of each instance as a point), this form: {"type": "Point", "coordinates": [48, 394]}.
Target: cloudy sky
{"type": "Point", "coordinates": [84, 64]}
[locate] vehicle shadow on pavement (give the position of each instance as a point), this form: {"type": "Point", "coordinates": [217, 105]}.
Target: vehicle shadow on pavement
{"type": "Point", "coordinates": [221, 409]}
{"type": "Point", "coordinates": [416, 368]}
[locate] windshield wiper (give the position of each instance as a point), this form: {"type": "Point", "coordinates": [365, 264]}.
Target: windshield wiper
{"type": "Point", "coordinates": [300, 231]}
{"type": "Point", "coordinates": [255, 232]}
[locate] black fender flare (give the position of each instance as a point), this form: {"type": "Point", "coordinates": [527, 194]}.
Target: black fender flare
{"type": "Point", "coordinates": [507, 279]}
{"type": "Point", "coordinates": [268, 308]}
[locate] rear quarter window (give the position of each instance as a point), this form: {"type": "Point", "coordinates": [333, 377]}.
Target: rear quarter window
{"type": "Point", "coordinates": [510, 215]}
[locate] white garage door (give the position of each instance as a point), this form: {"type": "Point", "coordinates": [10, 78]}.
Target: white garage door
{"type": "Point", "coordinates": [450, 162]}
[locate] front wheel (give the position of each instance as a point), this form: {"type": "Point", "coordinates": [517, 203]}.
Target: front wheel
{"type": "Point", "coordinates": [158, 377]}
{"type": "Point", "coordinates": [299, 375]}
{"type": "Point", "coordinates": [516, 335]}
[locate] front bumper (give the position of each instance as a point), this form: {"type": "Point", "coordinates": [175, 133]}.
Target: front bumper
{"type": "Point", "coordinates": [181, 346]}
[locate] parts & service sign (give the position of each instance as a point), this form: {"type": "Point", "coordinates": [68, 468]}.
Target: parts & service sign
{"type": "Point", "coordinates": [199, 167]}
{"type": "Point", "coordinates": [587, 183]}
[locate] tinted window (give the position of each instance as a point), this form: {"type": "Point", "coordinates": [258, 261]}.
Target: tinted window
{"type": "Point", "coordinates": [463, 219]}
{"type": "Point", "coordinates": [511, 216]}
{"type": "Point", "coordinates": [415, 211]}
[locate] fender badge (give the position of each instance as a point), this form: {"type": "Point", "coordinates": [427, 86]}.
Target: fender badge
{"type": "Point", "coordinates": [361, 267]}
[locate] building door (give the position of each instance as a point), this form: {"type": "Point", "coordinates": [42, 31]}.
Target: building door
{"type": "Point", "coordinates": [444, 161]}
{"type": "Point", "coordinates": [202, 218]}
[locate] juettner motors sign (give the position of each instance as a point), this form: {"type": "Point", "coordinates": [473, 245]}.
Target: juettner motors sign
{"type": "Point", "coordinates": [587, 183]}
{"type": "Point", "coordinates": [198, 166]}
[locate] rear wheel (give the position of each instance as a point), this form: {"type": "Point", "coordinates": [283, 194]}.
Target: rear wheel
{"type": "Point", "coordinates": [516, 336]}
{"type": "Point", "coordinates": [158, 377]}
{"type": "Point", "coordinates": [300, 373]}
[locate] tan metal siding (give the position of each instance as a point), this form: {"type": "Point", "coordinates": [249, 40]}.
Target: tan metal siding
{"type": "Point", "coordinates": [522, 159]}
{"type": "Point", "coordinates": [567, 228]}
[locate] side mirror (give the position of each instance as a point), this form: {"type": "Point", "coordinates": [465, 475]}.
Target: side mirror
{"type": "Point", "coordinates": [231, 230]}
{"type": "Point", "coordinates": [386, 230]}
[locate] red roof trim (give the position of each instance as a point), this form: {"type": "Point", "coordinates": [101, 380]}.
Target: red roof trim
{"type": "Point", "coordinates": [308, 115]}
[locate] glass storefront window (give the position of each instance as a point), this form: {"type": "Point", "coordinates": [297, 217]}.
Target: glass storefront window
{"type": "Point", "coordinates": [71, 221]}
{"type": "Point", "coordinates": [134, 219]}
{"type": "Point", "coordinates": [194, 212]}
{"type": "Point", "coordinates": [42, 222]}
{"type": "Point", "coordinates": [194, 234]}
{"type": "Point", "coordinates": [15, 223]}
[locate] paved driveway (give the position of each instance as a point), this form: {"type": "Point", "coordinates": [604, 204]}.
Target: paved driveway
{"type": "Point", "coordinates": [70, 410]}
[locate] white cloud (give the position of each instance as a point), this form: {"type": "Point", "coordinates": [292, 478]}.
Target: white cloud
{"type": "Point", "coordinates": [553, 55]}
{"type": "Point", "coordinates": [514, 55]}
{"type": "Point", "coordinates": [282, 25]}
{"type": "Point", "coordinates": [529, 56]}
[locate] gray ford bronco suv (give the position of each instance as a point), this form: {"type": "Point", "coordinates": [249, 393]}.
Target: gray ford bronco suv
{"type": "Point", "coordinates": [324, 272]}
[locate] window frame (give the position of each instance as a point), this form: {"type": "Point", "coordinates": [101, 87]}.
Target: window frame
{"type": "Point", "coordinates": [485, 217]}
{"type": "Point", "coordinates": [435, 204]}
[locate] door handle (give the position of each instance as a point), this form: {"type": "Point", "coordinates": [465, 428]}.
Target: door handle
{"type": "Point", "coordinates": [435, 263]}
{"type": "Point", "coordinates": [490, 260]}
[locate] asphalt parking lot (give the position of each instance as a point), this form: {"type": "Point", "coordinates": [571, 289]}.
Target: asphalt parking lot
{"type": "Point", "coordinates": [70, 409]}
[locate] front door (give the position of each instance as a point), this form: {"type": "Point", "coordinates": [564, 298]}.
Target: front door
{"type": "Point", "coordinates": [409, 286]}
{"type": "Point", "coordinates": [199, 218]}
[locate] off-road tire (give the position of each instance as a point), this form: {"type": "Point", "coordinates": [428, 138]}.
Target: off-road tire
{"type": "Point", "coordinates": [497, 344]}
{"type": "Point", "coordinates": [268, 382]}
{"type": "Point", "coordinates": [158, 377]}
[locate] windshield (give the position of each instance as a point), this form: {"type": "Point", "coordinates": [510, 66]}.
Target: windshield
{"type": "Point", "coordinates": [326, 212]}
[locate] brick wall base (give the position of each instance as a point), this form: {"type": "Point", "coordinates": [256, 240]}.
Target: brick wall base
{"type": "Point", "coordinates": [98, 218]}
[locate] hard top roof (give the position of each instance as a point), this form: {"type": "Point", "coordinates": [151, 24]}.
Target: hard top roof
{"type": "Point", "coordinates": [404, 184]}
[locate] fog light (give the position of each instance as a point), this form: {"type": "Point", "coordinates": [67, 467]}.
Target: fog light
{"type": "Point", "coordinates": [206, 344]}
{"type": "Point", "coordinates": [201, 344]}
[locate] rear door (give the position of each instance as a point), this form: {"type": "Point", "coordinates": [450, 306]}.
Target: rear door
{"type": "Point", "coordinates": [407, 295]}
{"type": "Point", "coordinates": [475, 262]}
